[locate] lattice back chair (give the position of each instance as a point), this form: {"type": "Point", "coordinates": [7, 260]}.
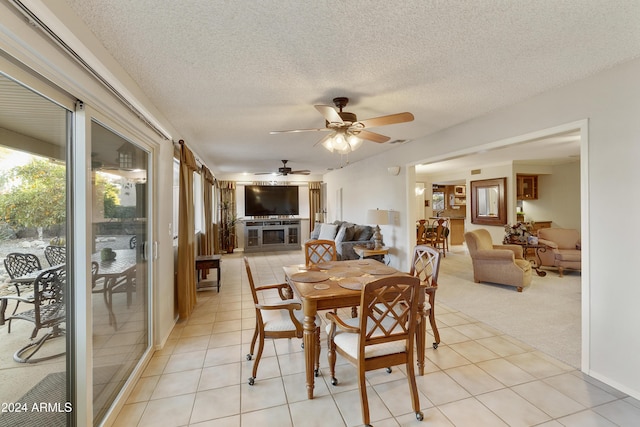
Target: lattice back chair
{"type": "Point", "coordinates": [439, 236]}
{"type": "Point", "coordinates": [280, 319]}
{"type": "Point", "coordinates": [318, 251]}
{"type": "Point", "coordinates": [426, 266]}
{"type": "Point", "coordinates": [17, 265]}
{"type": "Point", "coordinates": [49, 311]}
{"type": "Point", "coordinates": [383, 335]}
{"type": "Point", "coordinates": [55, 255]}
{"type": "Point", "coordinates": [421, 233]}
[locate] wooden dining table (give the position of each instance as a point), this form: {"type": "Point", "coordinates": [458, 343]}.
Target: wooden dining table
{"type": "Point", "coordinates": [337, 284]}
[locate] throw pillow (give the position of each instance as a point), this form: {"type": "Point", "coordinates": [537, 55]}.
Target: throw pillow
{"type": "Point", "coordinates": [348, 235]}
{"type": "Point", "coordinates": [328, 232]}
{"type": "Point", "coordinates": [366, 233]}
{"type": "Point", "coordinates": [341, 236]}
{"type": "Point", "coordinates": [357, 230]}
{"type": "Point", "coordinates": [316, 231]}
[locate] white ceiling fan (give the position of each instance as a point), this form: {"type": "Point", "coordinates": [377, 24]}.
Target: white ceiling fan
{"type": "Point", "coordinates": [347, 132]}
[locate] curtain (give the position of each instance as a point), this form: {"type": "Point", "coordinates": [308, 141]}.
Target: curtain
{"type": "Point", "coordinates": [207, 243]}
{"type": "Point", "coordinates": [228, 216]}
{"type": "Point", "coordinates": [315, 201]}
{"type": "Point", "coordinates": [186, 234]}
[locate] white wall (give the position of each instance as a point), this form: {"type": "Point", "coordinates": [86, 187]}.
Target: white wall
{"type": "Point", "coordinates": [368, 185]}
{"type": "Point", "coordinates": [611, 103]}
{"type": "Point", "coordinates": [558, 197]}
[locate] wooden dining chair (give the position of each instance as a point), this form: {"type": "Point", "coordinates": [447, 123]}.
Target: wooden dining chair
{"type": "Point", "coordinates": [383, 335]}
{"type": "Point", "coordinates": [280, 319]}
{"type": "Point", "coordinates": [318, 251]}
{"type": "Point", "coordinates": [421, 233]}
{"type": "Point", "coordinates": [425, 266]}
{"type": "Point", "coordinates": [439, 235]}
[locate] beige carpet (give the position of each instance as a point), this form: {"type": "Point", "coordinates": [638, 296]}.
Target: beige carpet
{"type": "Point", "coordinates": [546, 315]}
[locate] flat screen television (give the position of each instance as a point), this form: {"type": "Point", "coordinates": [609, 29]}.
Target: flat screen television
{"type": "Point", "coordinates": [268, 200]}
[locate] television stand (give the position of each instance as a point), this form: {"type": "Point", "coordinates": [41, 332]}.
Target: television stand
{"type": "Point", "coordinates": [271, 234]}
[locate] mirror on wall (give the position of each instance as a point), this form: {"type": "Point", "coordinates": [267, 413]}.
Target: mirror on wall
{"type": "Point", "coordinates": [488, 202]}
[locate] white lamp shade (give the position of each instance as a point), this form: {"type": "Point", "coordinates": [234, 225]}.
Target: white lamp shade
{"type": "Point", "coordinates": [377, 217]}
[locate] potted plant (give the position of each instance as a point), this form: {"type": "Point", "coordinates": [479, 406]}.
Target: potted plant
{"type": "Point", "coordinates": [230, 240]}
{"type": "Point", "coordinates": [228, 220]}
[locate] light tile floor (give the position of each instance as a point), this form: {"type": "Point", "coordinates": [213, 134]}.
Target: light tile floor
{"type": "Point", "coordinates": [477, 377]}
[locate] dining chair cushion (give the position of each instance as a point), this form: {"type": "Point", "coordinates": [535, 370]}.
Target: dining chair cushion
{"type": "Point", "coordinates": [348, 341]}
{"type": "Point", "coordinates": [279, 320]}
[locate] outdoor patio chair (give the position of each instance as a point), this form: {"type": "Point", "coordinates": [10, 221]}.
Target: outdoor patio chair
{"type": "Point", "coordinates": [17, 265]}
{"type": "Point", "coordinates": [55, 255]}
{"type": "Point", "coordinates": [49, 311]}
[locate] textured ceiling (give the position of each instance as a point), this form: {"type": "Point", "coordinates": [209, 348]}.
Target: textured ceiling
{"type": "Point", "coordinates": [225, 73]}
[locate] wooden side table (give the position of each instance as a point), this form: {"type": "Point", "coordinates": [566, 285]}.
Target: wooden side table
{"type": "Point", "coordinates": [206, 262]}
{"type": "Point", "coordinates": [364, 252]}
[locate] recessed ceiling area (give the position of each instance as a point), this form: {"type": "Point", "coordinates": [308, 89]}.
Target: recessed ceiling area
{"type": "Point", "coordinates": [549, 150]}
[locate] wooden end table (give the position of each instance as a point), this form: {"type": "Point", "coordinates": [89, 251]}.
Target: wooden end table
{"type": "Point", "coordinates": [364, 252]}
{"type": "Point", "coordinates": [206, 262]}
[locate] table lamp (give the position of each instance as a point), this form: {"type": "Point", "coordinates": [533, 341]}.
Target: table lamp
{"type": "Point", "coordinates": [377, 217]}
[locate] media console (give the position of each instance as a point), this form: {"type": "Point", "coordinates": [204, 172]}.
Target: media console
{"type": "Point", "coordinates": [271, 234]}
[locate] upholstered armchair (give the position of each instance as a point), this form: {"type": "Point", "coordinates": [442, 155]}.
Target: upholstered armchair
{"type": "Point", "coordinates": [502, 264]}
{"type": "Point", "coordinates": [563, 248]}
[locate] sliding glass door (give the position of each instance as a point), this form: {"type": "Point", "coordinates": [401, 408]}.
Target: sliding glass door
{"type": "Point", "coordinates": [35, 322]}
{"type": "Point", "coordinates": [120, 301]}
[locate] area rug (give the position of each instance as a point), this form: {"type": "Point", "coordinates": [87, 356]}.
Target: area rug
{"type": "Point", "coordinates": [43, 405]}
{"type": "Point", "coordinates": [546, 315]}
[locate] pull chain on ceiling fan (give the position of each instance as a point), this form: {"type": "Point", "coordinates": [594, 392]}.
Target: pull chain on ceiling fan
{"type": "Point", "coordinates": [347, 132]}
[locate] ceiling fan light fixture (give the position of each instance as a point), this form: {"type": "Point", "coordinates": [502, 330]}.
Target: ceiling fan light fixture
{"type": "Point", "coordinates": [328, 144]}
{"type": "Point", "coordinates": [354, 142]}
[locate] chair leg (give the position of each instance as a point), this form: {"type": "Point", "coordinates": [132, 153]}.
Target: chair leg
{"type": "Point", "coordinates": [413, 388]}
{"type": "Point", "coordinates": [254, 373]}
{"type": "Point", "coordinates": [316, 371]}
{"type": "Point", "coordinates": [362, 385]}
{"type": "Point", "coordinates": [253, 343]}
{"type": "Point", "coordinates": [331, 357]}
{"type": "Point", "coordinates": [432, 320]}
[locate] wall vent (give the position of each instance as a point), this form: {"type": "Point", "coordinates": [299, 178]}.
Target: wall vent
{"type": "Point", "coordinates": [476, 171]}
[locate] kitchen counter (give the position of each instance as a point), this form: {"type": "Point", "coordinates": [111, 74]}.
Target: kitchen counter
{"type": "Point", "coordinates": [456, 234]}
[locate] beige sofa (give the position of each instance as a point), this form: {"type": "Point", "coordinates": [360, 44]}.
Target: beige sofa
{"type": "Point", "coordinates": [503, 264]}
{"type": "Point", "coordinates": [563, 249]}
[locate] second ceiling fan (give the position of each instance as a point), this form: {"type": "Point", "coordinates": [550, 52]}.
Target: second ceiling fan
{"type": "Point", "coordinates": [347, 132]}
{"type": "Point", "coordinates": [285, 170]}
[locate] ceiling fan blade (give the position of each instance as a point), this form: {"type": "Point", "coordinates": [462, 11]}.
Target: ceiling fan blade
{"type": "Point", "coordinates": [273, 132]}
{"type": "Point", "coordinates": [300, 172]}
{"type": "Point", "coordinates": [264, 173]}
{"type": "Point", "coordinates": [387, 120]}
{"type": "Point", "coordinates": [372, 136]}
{"type": "Point", "coordinates": [324, 139]}
{"type": "Point", "coordinates": [329, 113]}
